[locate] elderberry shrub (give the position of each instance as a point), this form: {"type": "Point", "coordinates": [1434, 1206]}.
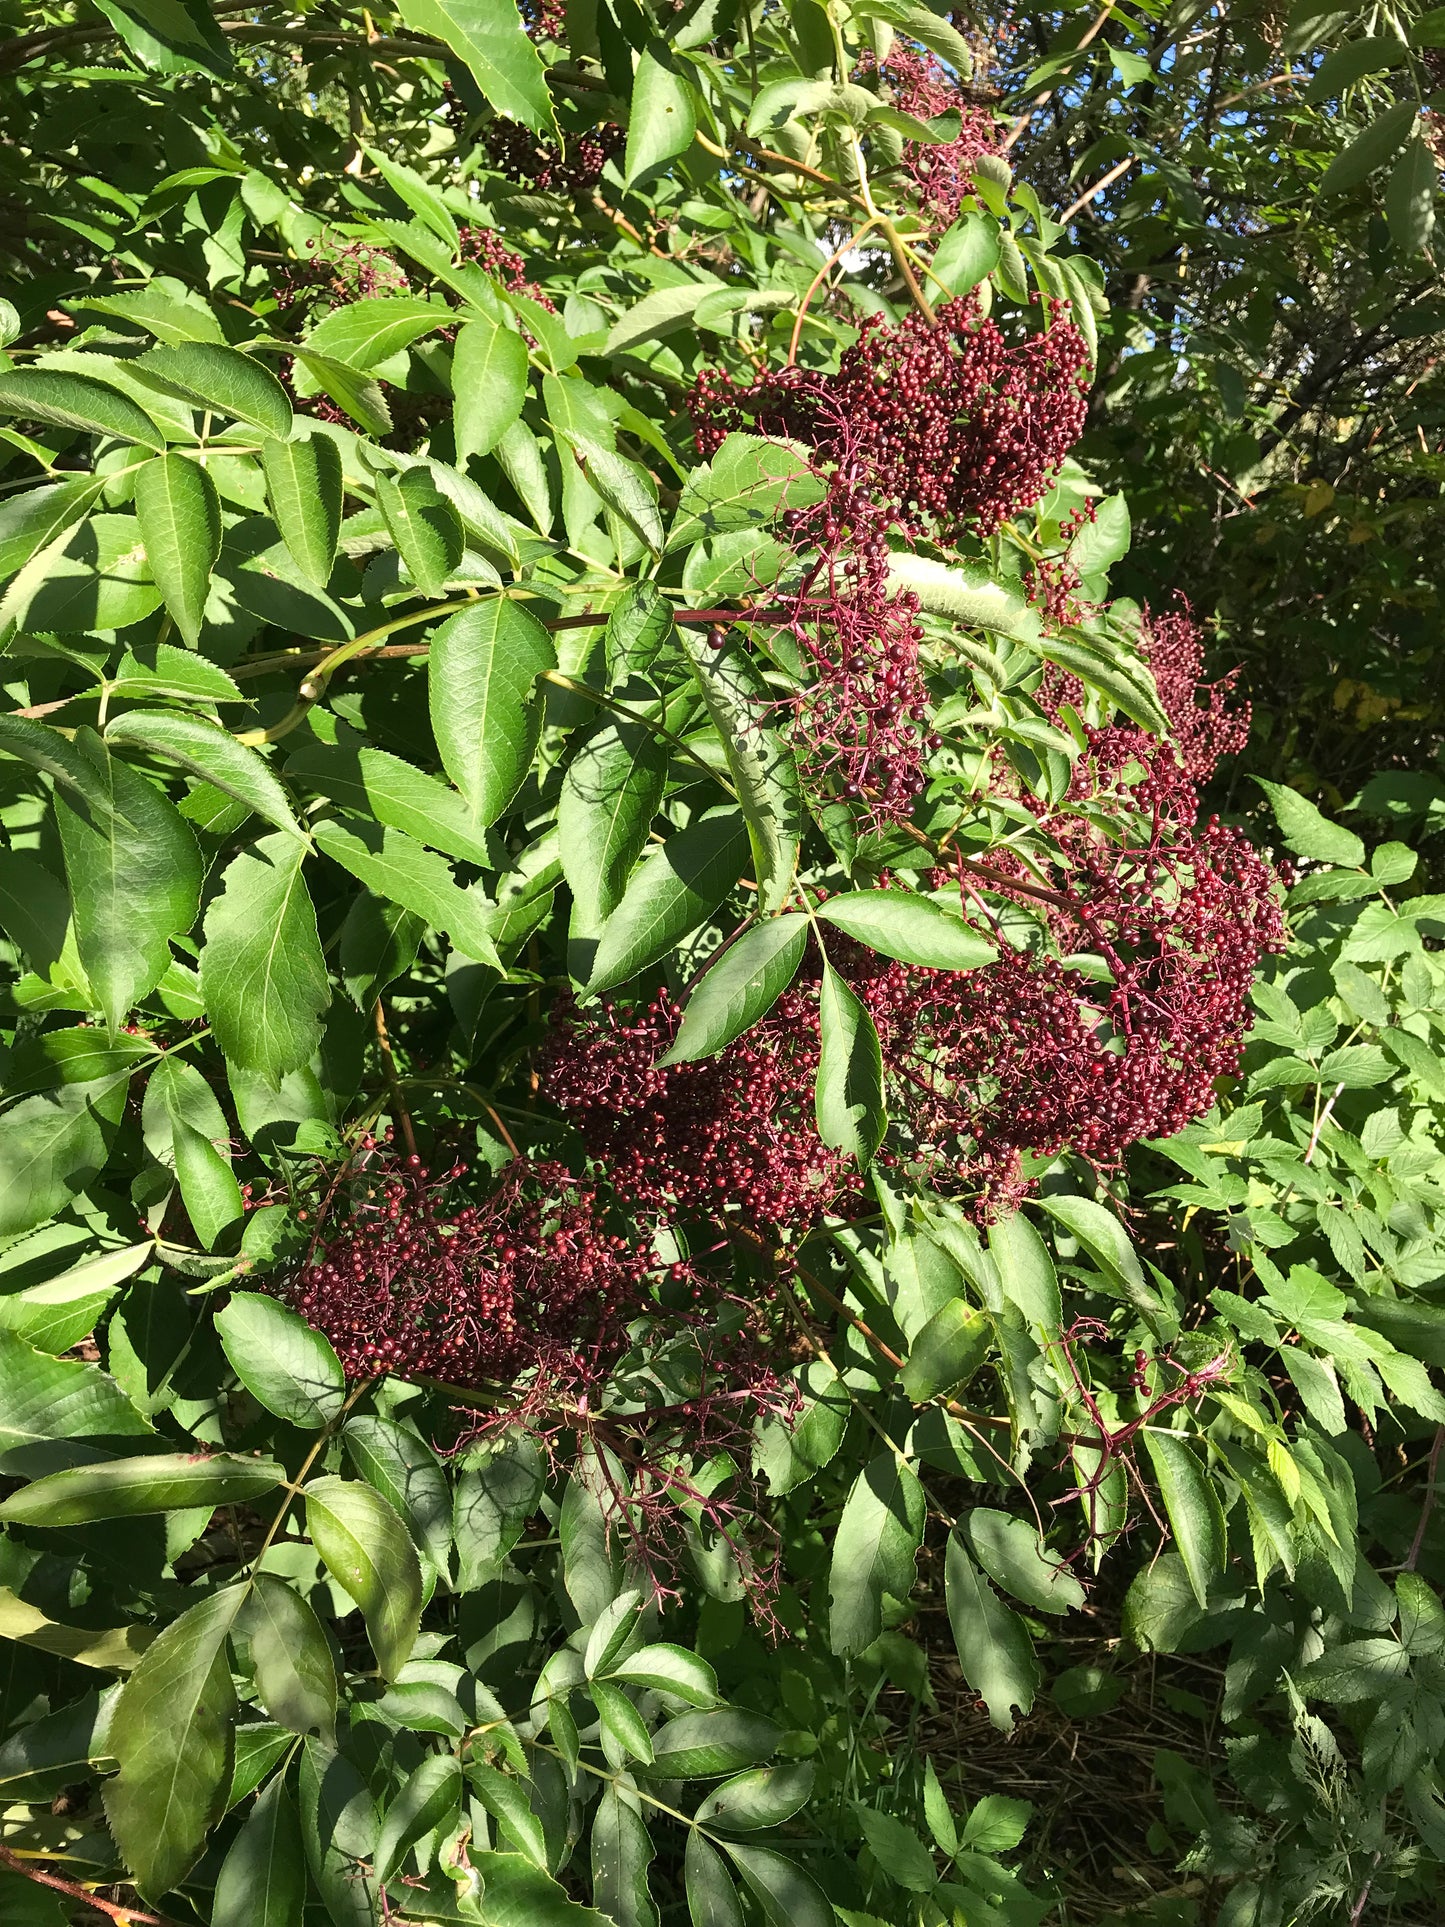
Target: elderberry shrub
{"type": "Point", "coordinates": [940, 173]}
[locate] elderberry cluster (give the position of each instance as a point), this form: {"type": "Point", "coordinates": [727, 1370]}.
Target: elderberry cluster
{"type": "Point", "coordinates": [732, 1136]}
{"type": "Point", "coordinates": [531, 160]}
{"type": "Point", "coordinates": [952, 425]}
{"type": "Point", "coordinates": [528, 1278]}
{"type": "Point", "coordinates": [941, 173]}
{"type": "Point", "coordinates": [490, 252]}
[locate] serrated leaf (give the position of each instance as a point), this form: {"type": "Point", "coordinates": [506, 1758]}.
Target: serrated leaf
{"type": "Point", "coordinates": [286, 1365]}
{"type": "Point", "coordinates": [1307, 832]}
{"type": "Point", "coordinates": [135, 879]}
{"type": "Point", "coordinates": [737, 990]}
{"type": "Point", "coordinates": [304, 488]}
{"type": "Point", "coordinates": [368, 1551]}
{"type": "Point", "coordinates": [481, 678]}
{"type": "Point", "coordinates": [874, 1549]}
{"type": "Point", "coordinates": [1195, 1517]}
{"type": "Point", "coordinates": [399, 870]}
{"type": "Point", "coordinates": [430, 1798]}
{"type": "Point", "coordinates": [172, 1734]}
{"type": "Point", "coordinates": [994, 1648]}
{"type": "Point", "coordinates": [1010, 1552]}
{"type": "Point", "coordinates": [262, 1882]}
{"type": "Point", "coordinates": [290, 1657]}
{"type": "Point", "coordinates": [679, 885]}
{"type": "Point", "coordinates": [222, 379]}
{"type": "Point", "coordinates": [489, 37]}
{"type": "Point", "coordinates": [762, 765]}
{"type": "Point", "coordinates": [424, 526]}
{"type": "Point", "coordinates": [849, 1092]}
{"type": "Point", "coordinates": [489, 383]}
{"type": "Point", "coordinates": [912, 928]}
{"type": "Point", "coordinates": [611, 792]}
{"type": "Point", "coordinates": [211, 753]}
{"type": "Point", "coordinates": [263, 975]}
{"type": "Point", "coordinates": [128, 1488]}
{"type": "Point", "coordinates": [661, 120]}
{"type": "Point", "coordinates": [76, 401]}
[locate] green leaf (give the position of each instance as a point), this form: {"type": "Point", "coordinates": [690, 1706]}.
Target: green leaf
{"type": "Point", "coordinates": [185, 1128]}
{"type": "Point", "coordinates": [849, 1094]}
{"type": "Point", "coordinates": [361, 334]}
{"type": "Point", "coordinates": [392, 866]}
{"type": "Point", "coordinates": [661, 120]}
{"type": "Point", "coordinates": [656, 315]}
{"type": "Point", "coordinates": [262, 1882]}
{"type": "Point", "coordinates": [58, 1398]}
{"type": "Point", "coordinates": [1195, 1517]}
{"type": "Point", "coordinates": [742, 986]}
{"type": "Point", "coordinates": [1370, 149]}
{"type": "Point", "coordinates": [489, 37]}
{"type": "Point", "coordinates": [994, 1648]}
{"type": "Point", "coordinates": [966, 593]}
{"type": "Point", "coordinates": [898, 1851]}
{"type": "Point", "coordinates": [290, 1657]}
{"type": "Point", "coordinates": [339, 1829]}
{"type": "Point", "coordinates": [622, 1851]}
{"type": "Point", "coordinates": [622, 1724]}
{"type": "Point", "coordinates": [75, 401]}
{"type": "Point", "coordinates": [519, 1894]}
{"type": "Point", "coordinates": [31, 521]}
{"type": "Point", "coordinates": [424, 526]}
{"type": "Point", "coordinates": [874, 1549]}
{"type": "Point", "coordinates": [135, 880]}
{"type": "Point", "coordinates": [431, 1798]}
{"type": "Point", "coordinates": [481, 679]}
{"type": "Point", "coordinates": [788, 1451]}
{"type": "Point", "coordinates": [749, 482]}
{"type": "Point", "coordinates": [51, 1146]}
{"type": "Point", "coordinates": [1307, 832]}
{"type": "Point", "coordinates": [675, 889]}
{"type": "Point", "coordinates": [763, 770]}
{"type": "Point", "coordinates": [368, 1551]}
{"type": "Point", "coordinates": [968, 253]}
{"type": "Point", "coordinates": [57, 1314]}
{"type": "Point", "coordinates": [262, 972]}
{"type": "Point", "coordinates": [1104, 1238]}
{"type": "Point", "coordinates": [489, 383]}
{"type": "Point", "coordinates": [1103, 541]}
{"type": "Point", "coordinates": [222, 380]}
{"type": "Point", "coordinates": [353, 391]}
{"type": "Point", "coordinates": [1010, 1552]}
{"type": "Point", "coordinates": [172, 36]}
{"type": "Point", "coordinates": [405, 1471]}
{"type": "Point", "coordinates": [1026, 1272]}
{"type": "Point", "coordinates": [304, 488]}
{"type": "Point", "coordinates": [1410, 197]}
{"type": "Point", "coordinates": [611, 792]}
{"type": "Point", "coordinates": [912, 928]}
{"type": "Point", "coordinates": [172, 1734]}
{"type": "Point", "coordinates": [787, 1896]}
{"type": "Point", "coordinates": [116, 1649]}
{"type": "Point", "coordinates": [948, 1349]}
{"type": "Point", "coordinates": [419, 195]}
{"type": "Point", "coordinates": [211, 753]}
{"type": "Point", "coordinates": [496, 1494]}
{"type": "Point", "coordinates": [712, 1899]}
{"type": "Point", "coordinates": [127, 1488]}
{"type": "Point", "coordinates": [284, 1363]}
{"type": "Point", "coordinates": [381, 785]}
{"type": "Point", "coordinates": [505, 1798]}
{"type": "Point", "coordinates": [41, 1758]}
{"type": "Point", "coordinates": [766, 1796]}
{"type": "Point", "coordinates": [168, 671]}
{"type": "Point", "coordinates": [668, 1669]}
{"type": "Point", "coordinates": [705, 1746]}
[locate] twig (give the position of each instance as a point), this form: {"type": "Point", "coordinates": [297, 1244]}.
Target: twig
{"type": "Point", "coordinates": [1105, 180]}
{"type": "Point", "coordinates": [1042, 100]}
{"type": "Point", "coordinates": [1412, 1557]}
{"type": "Point", "coordinates": [1320, 1123]}
{"type": "Point", "coordinates": [403, 1115]}
{"type": "Point", "coordinates": [73, 1890]}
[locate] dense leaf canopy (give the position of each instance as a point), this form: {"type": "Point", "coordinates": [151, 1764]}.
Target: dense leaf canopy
{"type": "Point", "coordinates": [720, 1191]}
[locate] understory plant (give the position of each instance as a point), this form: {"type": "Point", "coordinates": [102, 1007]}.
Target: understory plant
{"type": "Point", "coordinates": [663, 1173]}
